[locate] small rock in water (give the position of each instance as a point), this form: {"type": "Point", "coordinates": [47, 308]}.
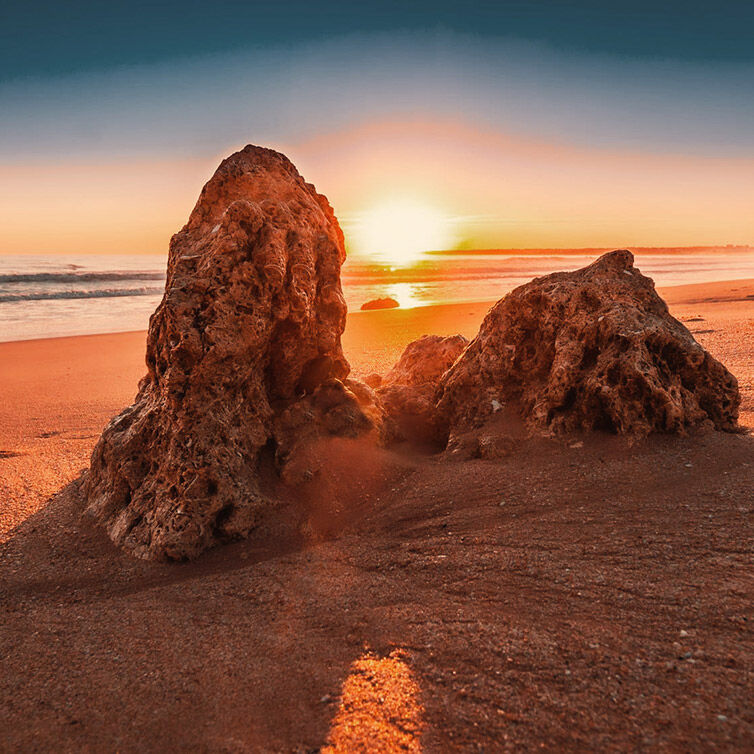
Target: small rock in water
{"type": "Point", "coordinates": [380, 303]}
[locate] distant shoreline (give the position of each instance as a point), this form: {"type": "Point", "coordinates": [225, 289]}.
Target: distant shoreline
{"type": "Point", "coordinates": [596, 250]}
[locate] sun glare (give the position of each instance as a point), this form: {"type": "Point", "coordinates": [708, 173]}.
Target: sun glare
{"type": "Point", "coordinates": [400, 230]}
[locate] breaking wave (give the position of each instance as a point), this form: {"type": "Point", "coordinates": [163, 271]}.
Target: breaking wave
{"type": "Point", "coordinates": [72, 294]}
{"type": "Point", "coordinates": [78, 277]}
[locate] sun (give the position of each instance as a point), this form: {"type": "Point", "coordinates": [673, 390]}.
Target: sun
{"type": "Point", "coordinates": [399, 230]}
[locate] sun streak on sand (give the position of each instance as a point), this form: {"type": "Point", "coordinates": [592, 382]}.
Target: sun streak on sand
{"type": "Point", "coordinates": [379, 709]}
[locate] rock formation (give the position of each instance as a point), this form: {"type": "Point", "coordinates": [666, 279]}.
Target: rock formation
{"type": "Point", "coordinates": [373, 380]}
{"type": "Point", "coordinates": [590, 349]}
{"type": "Point", "coordinates": [407, 392]}
{"type": "Point", "coordinates": [425, 360]}
{"type": "Point", "coordinates": [243, 349]}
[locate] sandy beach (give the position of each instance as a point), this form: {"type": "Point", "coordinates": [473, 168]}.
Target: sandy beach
{"type": "Point", "coordinates": [594, 597]}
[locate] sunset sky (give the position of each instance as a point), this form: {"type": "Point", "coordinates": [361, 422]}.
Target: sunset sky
{"type": "Point", "coordinates": [508, 124]}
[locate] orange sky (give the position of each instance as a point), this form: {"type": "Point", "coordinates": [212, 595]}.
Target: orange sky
{"type": "Point", "coordinates": [497, 190]}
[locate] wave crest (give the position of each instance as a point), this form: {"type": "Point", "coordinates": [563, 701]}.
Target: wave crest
{"type": "Point", "coordinates": [63, 295]}
{"type": "Point", "coordinates": [78, 277]}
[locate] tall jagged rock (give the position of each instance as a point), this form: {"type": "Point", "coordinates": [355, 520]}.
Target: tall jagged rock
{"type": "Point", "coordinates": [249, 324]}
{"type": "Point", "coordinates": [590, 349]}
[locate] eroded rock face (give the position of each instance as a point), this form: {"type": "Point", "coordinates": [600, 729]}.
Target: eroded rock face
{"type": "Point", "coordinates": [590, 349]}
{"type": "Point", "coordinates": [249, 325]}
{"type": "Point", "coordinates": [407, 392]}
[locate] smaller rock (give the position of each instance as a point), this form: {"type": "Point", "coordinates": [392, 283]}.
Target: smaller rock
{"type": "Point", "coordinates": [380, 303]}
{"type": "Point", "coordinates": [407, 393]}
{"type": "Point", "coordinates": [491, 446]}
{"type": "Point", "coordinates": [334, 408]}
{"type": "Point", "coordinates": [374, 380]}
{"type": "Point", "coordinates": [425, 360]}
{"type": "Point", "coordinates": [365, 396]}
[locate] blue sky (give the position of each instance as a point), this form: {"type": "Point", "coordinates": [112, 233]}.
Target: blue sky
{"type": "Point", "coordinates": [579, 100]}
{"type": "Point", "coordinates": [283, 93]}
{"type": "Point", "coordinates": [51, 38]}
{"type": "Point", "coordinates": [177, 77]}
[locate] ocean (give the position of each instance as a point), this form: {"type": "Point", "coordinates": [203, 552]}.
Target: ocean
{"type": "Point", "coordinates": [55, 295]}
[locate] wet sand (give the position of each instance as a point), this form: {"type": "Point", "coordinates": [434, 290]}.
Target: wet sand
{"type": "Point", "coordinates": [577, 598]}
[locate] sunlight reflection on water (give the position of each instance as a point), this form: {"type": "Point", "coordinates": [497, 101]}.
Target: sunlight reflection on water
{"type": "Point", "coordinates": [406, 294]}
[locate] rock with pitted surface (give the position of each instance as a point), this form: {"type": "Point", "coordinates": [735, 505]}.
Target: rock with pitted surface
{"type": "Point", "coordinates": [249, 325]}
{"type": "Point", "coordinates": [587, 350]}
{"type": "Point", "coordinates": [407, 392]}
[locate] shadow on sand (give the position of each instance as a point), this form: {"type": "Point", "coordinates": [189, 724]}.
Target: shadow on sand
{"type": "Point", "coordinates": [565, 596]}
